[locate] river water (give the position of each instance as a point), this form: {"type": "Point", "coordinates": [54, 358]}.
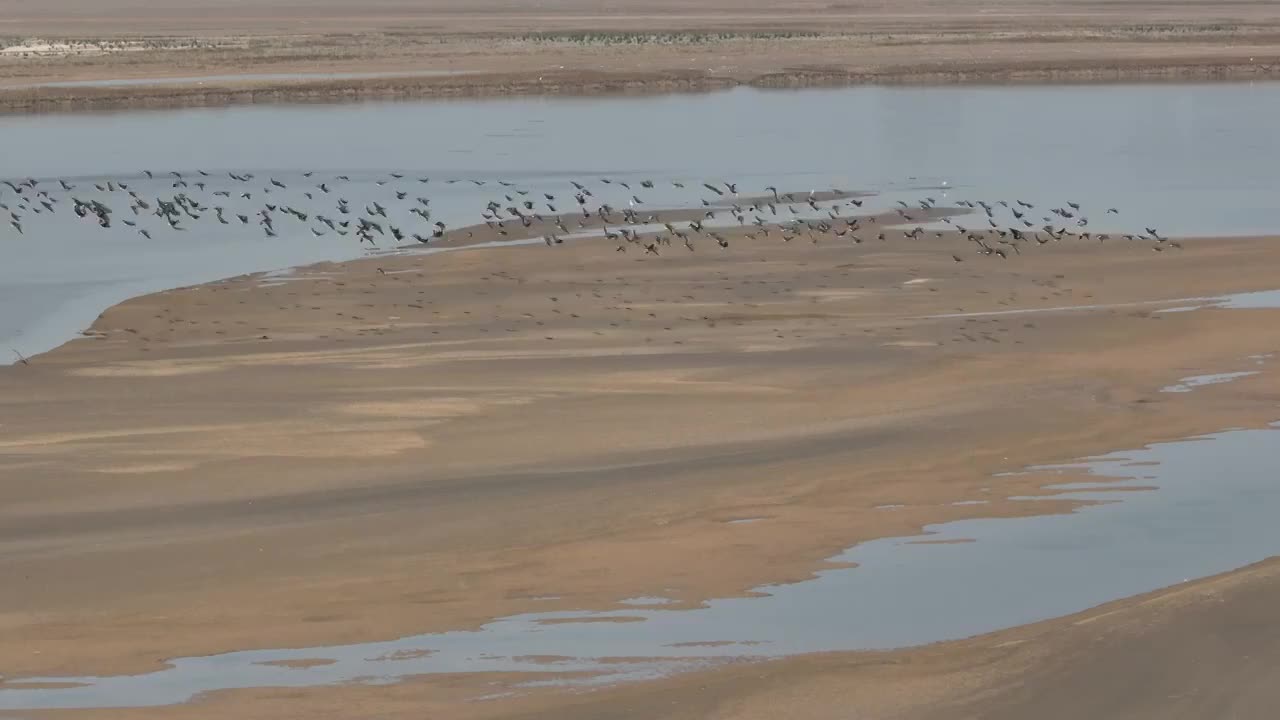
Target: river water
{"type": "Point", "coordinates": [1160, 515]}
{"type": "Point", "coordinates": [1184, 159]}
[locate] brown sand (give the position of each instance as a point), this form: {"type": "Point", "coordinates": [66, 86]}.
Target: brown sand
{"type": "Point", "coordinates": [579, 47]}
{"type": "Point", "coordinates": [402, 445]}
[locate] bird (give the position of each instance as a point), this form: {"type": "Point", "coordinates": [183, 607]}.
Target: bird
{"type": "Point", "coordinates": [181, 202]}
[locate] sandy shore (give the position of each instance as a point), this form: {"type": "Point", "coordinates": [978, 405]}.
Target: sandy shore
{"type": "Point", "coordinates": [409, 444]}
{"type": "Point", "coordinates": [574, 47]}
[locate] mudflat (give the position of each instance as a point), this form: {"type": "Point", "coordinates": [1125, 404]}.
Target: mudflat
{"type": "Point", "coordinates": [208, 52]}
{"type": "Point", "coordinates": [411, 444]}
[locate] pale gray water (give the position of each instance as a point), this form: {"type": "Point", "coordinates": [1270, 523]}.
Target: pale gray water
{"type": "Point", "coordinates": [1260, 300]}
{"type": "Point", "coordinates": [1187, 384]}
{"type": "Point", "coordinates": [1247, 301]}
{"type": "Point", "coordinates": [1193, 159]}
{"type": "Point", "coordinates": [1186, 159]}
{"type": "Point", "coordinates": [1213, 509]}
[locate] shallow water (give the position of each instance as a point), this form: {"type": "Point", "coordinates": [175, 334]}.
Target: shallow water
{"type": "Point", "coordinates": [1186, 159]}
{"type": "Point", "coordinates": [1262, 300]}
{"type": "Point", "coordinates": [1188, 384]}
{"type": "Point", "coordinates": [1162, 514]}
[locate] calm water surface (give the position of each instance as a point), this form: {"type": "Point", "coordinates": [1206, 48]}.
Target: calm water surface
{"type": "Point", "coordinates": [1164, 514]}
{"type": "Point", "coordinates": [1186, 159]}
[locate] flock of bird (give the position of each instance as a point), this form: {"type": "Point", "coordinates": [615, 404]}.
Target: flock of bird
{"type": "Point", "coordinates": [187, 204]}
{"type": "Point", "coordinates": [400, 212]}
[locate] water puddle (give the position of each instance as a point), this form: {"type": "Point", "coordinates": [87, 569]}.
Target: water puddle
{"type": "Point", "coordinates": [647, 601]}
{"type": "Point", "coordinates": [1153, 517]}
{"type": "Point", "coordinates": [1187, 384]}
{"type": "Point", "coordinates": [1261, 300]}
{"type": "Point", "coordinates": [1073, 308]}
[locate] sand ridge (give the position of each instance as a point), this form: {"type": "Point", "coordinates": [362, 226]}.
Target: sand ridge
{"type": "Point", "coordinates": [371, 478]}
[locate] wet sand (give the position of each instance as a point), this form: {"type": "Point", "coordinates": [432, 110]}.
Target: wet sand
{"type": "Point", "coordinates": [574, 47]}
{"type": "Point", "coordinates": [401, 445]}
